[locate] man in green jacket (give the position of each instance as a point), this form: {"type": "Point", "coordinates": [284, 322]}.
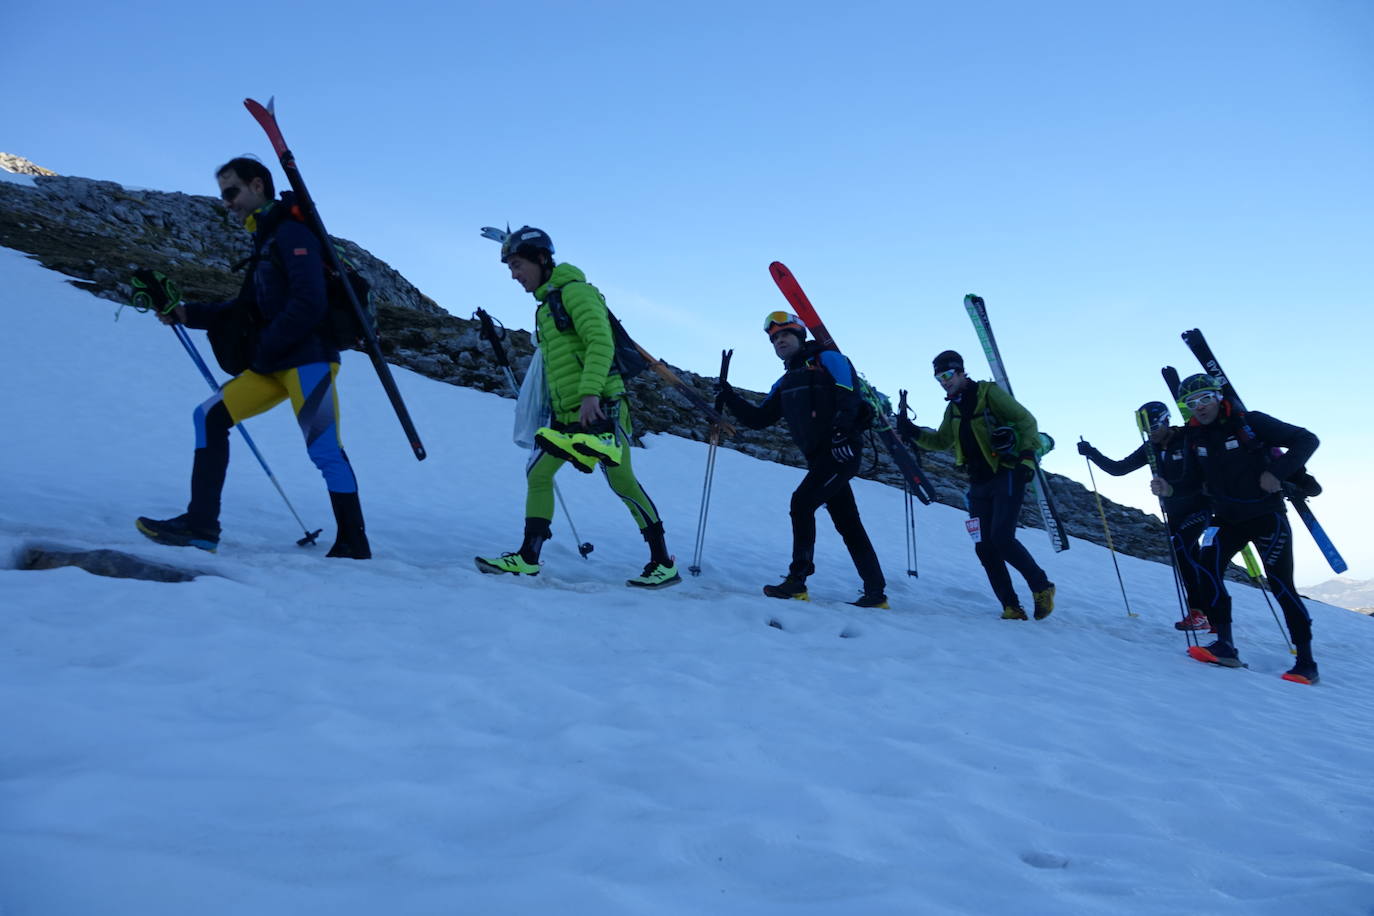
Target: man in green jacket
{"type": "Point", "coordinates": [991, 436]}
{"type": "Point", "coordinates": [591, 421]}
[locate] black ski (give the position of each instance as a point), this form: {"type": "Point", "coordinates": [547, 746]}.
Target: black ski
{"type": "Point", "coordinates": [1198, 344]}
{"type": "Point", "coordinates": [910, 468]}
{"type": "Point", "coordinates": [1172, 380]}
{"type": "Point", "coordinates": [266, 117]}
{"type": "Point", "coordinates": [1040, 485]}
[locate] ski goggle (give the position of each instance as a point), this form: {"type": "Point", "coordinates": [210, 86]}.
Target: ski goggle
{"type": "Point", "coordinates": [1201, 399]}
{"type": "Point", "coordinates": [946, 375]}
{"type": "Point", "coordinates": [782, 321]}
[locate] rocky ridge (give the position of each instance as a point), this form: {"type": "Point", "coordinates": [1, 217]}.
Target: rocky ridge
{"type": "Point", "coordinates": [97, 232]}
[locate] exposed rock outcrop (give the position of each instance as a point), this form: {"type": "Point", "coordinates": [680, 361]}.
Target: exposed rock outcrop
{"type": "Point", "coordinates": [97, 232]}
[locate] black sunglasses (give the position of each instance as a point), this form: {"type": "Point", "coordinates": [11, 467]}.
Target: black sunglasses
{"type": "Point", "coordinates": [228, 194]}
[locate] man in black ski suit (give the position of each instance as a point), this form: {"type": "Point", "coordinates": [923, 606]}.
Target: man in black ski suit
{"type": "Point", "coordinates": [1187, 511]}
{"type": "Point", "coordinates": [818, 398]}
{"type": "Point", "coordinates": [1242, 460]}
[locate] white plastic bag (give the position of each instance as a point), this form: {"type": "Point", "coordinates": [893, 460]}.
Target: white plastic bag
{"type": "Point", "coordinates": [532, 407]}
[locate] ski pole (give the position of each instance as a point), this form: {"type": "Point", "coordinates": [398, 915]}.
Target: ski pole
{"type": "Point", "coordinates": [1253, 570]}
{"type": "Point", "coordinates": [695, 568]}
{"type": "Point", "coordinates": [1108, 531]}
{"type": "Point", "coordinates": [908, 501]}
{"type": "Point", "coordinates": [491, 336]}
{"type": "Point", "coordinates": [185, 338]}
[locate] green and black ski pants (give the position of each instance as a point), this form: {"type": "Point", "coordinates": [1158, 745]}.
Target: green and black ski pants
{"type": "Point", "coordinates": [539, 473]}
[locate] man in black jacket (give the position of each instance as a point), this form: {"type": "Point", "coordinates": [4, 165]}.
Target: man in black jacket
{"type": "Point", "coordinates": [1187, 511]}
{"type": "Point", "coordinates": [819, 400]}
{"type": "Point", "coordinates": [269, 337]}
{"type": "Point", "coordinates": [1241, 460]}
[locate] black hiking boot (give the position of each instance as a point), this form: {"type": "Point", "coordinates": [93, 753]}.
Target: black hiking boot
{"type": "Point", "coordinates": [788, 588]}
{"type": "Point", "coordinates": [178, 532]}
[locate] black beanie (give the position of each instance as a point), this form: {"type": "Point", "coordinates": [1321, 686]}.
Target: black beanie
{"type": "Point", "coordinates": [946, 361]}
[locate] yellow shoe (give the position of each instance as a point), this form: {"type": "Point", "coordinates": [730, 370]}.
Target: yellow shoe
{"type": "Point", "coordinates": [1013, 613]}
{"type": "Point", "coordinates": [1044, 602]}
{"type": "Point", "coordinates": [560, 445]}
{"type": "Point", "coordinates": [602, 447]}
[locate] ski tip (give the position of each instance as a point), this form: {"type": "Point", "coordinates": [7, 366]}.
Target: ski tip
{"type": "Point", "coordinates": [779, 269]}
{"type": "Point", "coordinates": [255, 106]}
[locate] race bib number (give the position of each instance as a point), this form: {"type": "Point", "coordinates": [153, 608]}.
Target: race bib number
{"type": "Point", "coordinates": [1209, 535]}
{"type": "Point", "coordinates": [975, 529]}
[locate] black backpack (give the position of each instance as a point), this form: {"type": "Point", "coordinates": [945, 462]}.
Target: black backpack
{"type": "Point", "coordinates": [628, 361]}
{"type": "Point", "coordinates": [341, 326]}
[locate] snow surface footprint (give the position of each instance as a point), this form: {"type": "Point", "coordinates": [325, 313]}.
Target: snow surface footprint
{"type": "Point", "coordinates": [1037, 859]}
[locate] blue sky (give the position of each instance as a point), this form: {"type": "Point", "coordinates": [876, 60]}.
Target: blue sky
{"type": "Point", "coordinates": [1106, 175]}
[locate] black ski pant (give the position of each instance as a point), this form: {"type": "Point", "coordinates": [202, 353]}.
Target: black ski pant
{"type": "Point", "coordinates": [1273, 539]}
{"type": "Point", "coordinates": [1187, 519]}
{"type": "Point", "coordinates": [996, 504]}
{"type": "Point", "coordinates": [827, 483]}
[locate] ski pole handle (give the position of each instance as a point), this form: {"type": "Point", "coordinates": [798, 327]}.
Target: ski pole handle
{"type": "Point", "coordinates": [488, 333]}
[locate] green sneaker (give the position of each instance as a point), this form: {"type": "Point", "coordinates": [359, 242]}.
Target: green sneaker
{"type": "Point", "coordinates": [511, 563]}
{"type": "Point", "coordinates": [1011, 612]}
{"type": "Point", "coordinates": [602, 447]}
{"type": "Point", "coordinates": [656, 575]}
{"type": "Point", "coordinates": [1044, 602]}
{"type": "Point", "coordinates": [560, 445]}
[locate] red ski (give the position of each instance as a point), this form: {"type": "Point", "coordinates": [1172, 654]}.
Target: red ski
{"type": "Point", "coordinates": [266, 117]}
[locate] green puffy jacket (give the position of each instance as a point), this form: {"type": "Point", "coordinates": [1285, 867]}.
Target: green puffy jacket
{"type": "Point", "coordinates": [1005, 410]}
{"type": "Point", "coordinates": [577, 361]}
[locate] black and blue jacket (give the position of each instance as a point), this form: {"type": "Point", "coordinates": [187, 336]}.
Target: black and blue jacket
{"type": "Point", "coordinates": [817, 396]}
{"type": "Point", "coordinates": [1231, 453]}
{"type": "Point", "coordinates": [275, 320]}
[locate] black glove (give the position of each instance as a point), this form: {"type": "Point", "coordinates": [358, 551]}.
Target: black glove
{"type": "Point", "coordinates": [1085, 448]}
{"type": "Point", "coordinates": [905, 428]}
{"type": "Point", "coordinates": [1025, 473]}
{"type": "Point", "coordinates": [841, 447]}
{"type": "Point", "coordinates": [724, 392]}
{"type": "Point", "coordinates": [154, 290]}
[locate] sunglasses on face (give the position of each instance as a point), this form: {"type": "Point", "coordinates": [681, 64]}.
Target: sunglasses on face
{"type": "Point", "coordinates": [1201, 399]}
{"type": "Point", "coordinates": [946, 375]}
{"type": "Point", "coordinates": [228, 194]}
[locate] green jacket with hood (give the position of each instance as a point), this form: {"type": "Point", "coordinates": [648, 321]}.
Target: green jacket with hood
{"type": "Point", "coordinates": [577, 361]}
{"type": "Point", "coordinates": [1005, 411]}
